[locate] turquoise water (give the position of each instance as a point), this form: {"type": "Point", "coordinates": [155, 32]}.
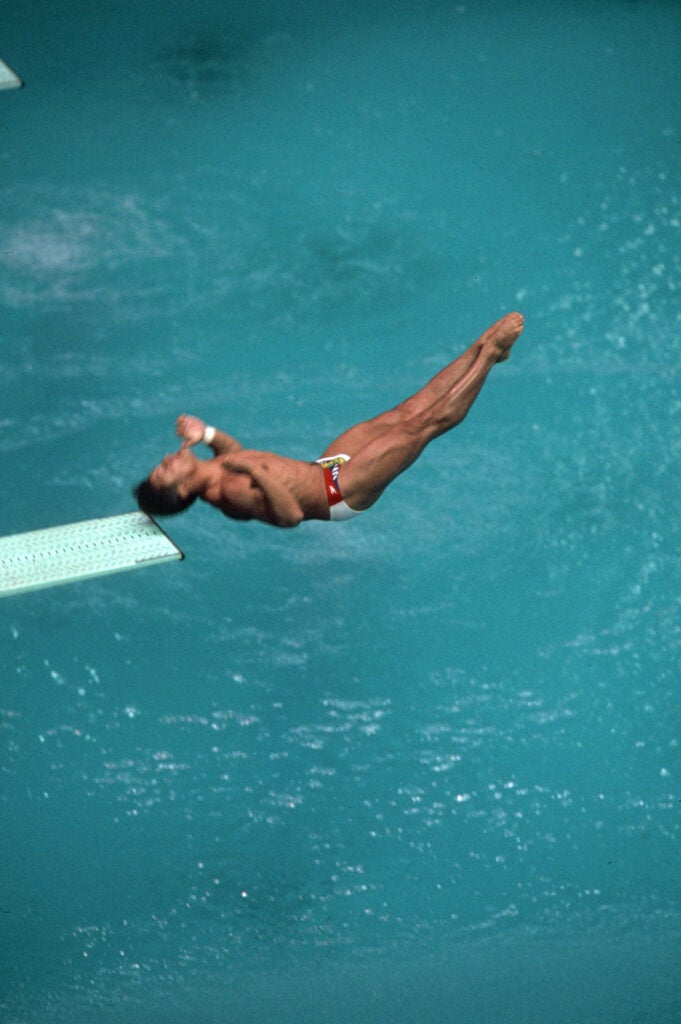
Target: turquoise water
{"type": "Point", "coordinates": [423, 766]}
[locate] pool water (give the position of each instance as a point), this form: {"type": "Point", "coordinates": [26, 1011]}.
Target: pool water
{"type": "Point", "coordinates": [419, 767]}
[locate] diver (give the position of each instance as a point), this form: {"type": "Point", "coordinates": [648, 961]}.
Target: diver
{"type": "Point", "coordinates": [351, 474]}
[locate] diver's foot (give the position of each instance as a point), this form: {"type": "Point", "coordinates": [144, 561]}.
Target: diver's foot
{"type": "Point", "coordinates": [499, 338]}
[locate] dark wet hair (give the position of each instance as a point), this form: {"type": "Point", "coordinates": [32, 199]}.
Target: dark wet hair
{"type": "Point", "coordinates": [160, 501]}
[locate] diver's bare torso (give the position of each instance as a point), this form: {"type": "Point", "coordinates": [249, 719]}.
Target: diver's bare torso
{"type": "Point", "coordinates": [271, 488]}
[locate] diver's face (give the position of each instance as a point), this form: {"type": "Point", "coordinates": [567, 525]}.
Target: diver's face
{"type": "Point", "coordinates": [173, 469]}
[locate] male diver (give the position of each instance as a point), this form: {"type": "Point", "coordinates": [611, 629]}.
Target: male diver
{"type": "Point", "coordinates": [352, 473]}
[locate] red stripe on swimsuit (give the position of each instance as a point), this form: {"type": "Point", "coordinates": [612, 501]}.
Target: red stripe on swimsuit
{"type": "Point", "coordinates": [333, 491]}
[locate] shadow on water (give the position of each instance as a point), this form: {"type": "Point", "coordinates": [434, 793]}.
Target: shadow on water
{"type": "Point", "coordinates": [205, 65]}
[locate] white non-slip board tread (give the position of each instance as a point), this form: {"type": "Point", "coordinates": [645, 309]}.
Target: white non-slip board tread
{"type": "Point", "coordinates": [78, 551]}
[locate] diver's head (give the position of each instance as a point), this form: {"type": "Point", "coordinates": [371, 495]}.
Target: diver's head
{"type": "Point", "coordinates": [168, 489]}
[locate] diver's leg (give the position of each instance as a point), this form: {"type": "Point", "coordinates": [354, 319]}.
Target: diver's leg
{"type": "Point", "coordinates": [388, 454]}
{"type": "Point", "coordinates": [495, 339]}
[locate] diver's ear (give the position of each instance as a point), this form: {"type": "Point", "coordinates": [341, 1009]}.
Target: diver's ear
{"type": "Point", "coordinates": [183, 490]}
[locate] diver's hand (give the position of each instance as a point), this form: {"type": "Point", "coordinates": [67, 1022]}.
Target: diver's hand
{"type": "Point", "coordinates": [191, 429]}
{"type": "Point", "coordinates": [238, 464]}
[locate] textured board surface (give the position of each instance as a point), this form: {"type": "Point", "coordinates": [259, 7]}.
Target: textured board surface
{"type": "Point", "coordinates": [78, 551]}
{"type": "Point", "coordinates": [8, 80]}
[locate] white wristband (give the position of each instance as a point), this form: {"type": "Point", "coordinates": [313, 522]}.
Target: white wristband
{"type": "Point", "coordinates": [209, 435]}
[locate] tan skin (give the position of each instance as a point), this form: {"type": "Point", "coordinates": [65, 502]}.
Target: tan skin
{"type": "Point", "coordinates": [246, 484]}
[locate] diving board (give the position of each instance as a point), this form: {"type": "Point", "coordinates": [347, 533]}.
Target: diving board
{"type": "Point", "coordinates": [8, 80]}
{"type": "Point", "coordinates": [79, 551]}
